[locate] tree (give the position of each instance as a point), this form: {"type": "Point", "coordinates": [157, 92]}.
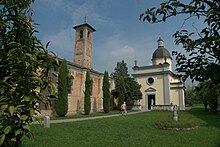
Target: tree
{"type": "Point", "coordinates": [192, 96]}
{"type": "Point", "coordinates": [121, 71]}
{"type": "Point", "coordinates": [121, 92]}
{"type": "Point", "coordinates": [210, 94]}
{"type": "Point", "coordinates": [87, 93]}
{"type": "Point", "coordinates": [106, 92]}
{"type": "Point", "coordinates": [202, 62]}
{"type": "Point", "coordinates": [132, 88]}
{"type": "Point", "coordinates": [61, 104]}
{"type": "Point", "coordinates": [24, 71]}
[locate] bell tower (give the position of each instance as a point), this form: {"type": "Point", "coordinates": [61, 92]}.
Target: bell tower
{"type": "Point", "coordinates": [83, 45]}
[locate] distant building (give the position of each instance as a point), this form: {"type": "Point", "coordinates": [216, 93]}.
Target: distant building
{"type": "Point", "coordinates": [159, 86]}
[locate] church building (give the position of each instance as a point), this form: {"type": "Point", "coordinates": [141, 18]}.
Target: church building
{"type": "Point", "coordinates": [82, 63]}
{"type": "Point", "coordinates": [77, 69]}
{"type": "Point", "coordinates": [159, 86]}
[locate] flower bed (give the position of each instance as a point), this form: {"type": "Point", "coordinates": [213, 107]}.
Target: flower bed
{"type": "Point", "coordinates": [175, 125]}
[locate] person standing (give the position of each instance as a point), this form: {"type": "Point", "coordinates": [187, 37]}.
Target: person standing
{"type": "Point", "coordinates": [123, 108]}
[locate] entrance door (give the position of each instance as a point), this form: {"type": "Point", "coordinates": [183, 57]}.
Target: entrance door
{"type": "Point", "coordinates": [151, 100]}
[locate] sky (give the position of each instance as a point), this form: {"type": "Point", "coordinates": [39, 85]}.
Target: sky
{"type": "Point", "coordinates": [120, 35]}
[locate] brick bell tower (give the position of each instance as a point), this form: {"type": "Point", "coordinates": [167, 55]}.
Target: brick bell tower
{"type": "Point", "coordinates": [83, 45]}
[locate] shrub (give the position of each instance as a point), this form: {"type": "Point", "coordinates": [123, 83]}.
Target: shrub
{"type": "Point", "coordinates": [182, 124]}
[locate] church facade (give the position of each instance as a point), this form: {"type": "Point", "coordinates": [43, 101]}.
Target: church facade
{"type": "Point", "coordinates": [159, 86]}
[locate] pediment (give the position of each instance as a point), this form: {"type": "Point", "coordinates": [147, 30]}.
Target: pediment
{"type": "Point", "coordinates": [150, 90]}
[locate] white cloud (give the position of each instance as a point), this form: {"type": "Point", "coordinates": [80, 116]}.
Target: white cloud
{"type": "Point", "coordinates": [118, 47]}
{"type": "Point", "coordinates": [124, 51]}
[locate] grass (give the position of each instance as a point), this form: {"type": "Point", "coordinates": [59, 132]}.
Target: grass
{"type": "Point", "coordinates": [129, 130]}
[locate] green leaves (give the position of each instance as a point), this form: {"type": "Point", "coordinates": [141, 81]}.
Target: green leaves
{"type": "Point", "coordinates": [11, 110]}
{"type": "Point", "coordinates": [7, 130]}
{"type": "Point", "coordinates": [26, 127]}
{"type": "Point", "coordinates": [24, 117]}
{"type": "Point", "coordinates": [4, 106]}
{"type": "Point", "coordinates": [2, 139]}
{"type": "Point", "coordinates": [202, 46]}
{"type": "Point", "coordinates": [24, 71]}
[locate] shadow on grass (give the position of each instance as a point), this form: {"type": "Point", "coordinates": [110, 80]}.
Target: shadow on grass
{"type": "Point", "coordinates": [208, 117]}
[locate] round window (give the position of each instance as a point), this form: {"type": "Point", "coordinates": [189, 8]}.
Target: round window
{"type": "Point", "coordinates": [150, 80]}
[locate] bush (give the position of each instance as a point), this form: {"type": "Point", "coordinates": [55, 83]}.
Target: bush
{"type": "Point", "coordinates": [182, 124]}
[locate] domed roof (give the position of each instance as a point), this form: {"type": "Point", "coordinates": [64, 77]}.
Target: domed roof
{"type": "Point", "coordinates": [161, 52]}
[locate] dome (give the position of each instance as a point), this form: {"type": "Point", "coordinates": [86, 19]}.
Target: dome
{"type": "Point", "coordinates": [161, 52]}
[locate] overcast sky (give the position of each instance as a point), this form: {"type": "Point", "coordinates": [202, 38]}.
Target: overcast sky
{"type": "Point", "coordinates": [119, 33]}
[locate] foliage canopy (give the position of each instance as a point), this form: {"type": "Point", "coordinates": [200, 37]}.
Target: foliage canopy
{"type": "Point", "coordinates": [131, 87]}
{"type": "Point", "coordinates": [24, 71]}
{"type": "Point", "coordinates": [202, 46]}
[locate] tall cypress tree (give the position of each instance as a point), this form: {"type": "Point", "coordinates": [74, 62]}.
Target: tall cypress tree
{"type": "Point", "coordinates": [106, 92]}
{"type": "Point", "coordinates": [87, 94]}
{"type": "Point", "coordinates": [61, 104]}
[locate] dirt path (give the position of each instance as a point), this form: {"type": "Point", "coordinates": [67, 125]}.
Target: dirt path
{"type": "Point", "coordinates": [90, 118]}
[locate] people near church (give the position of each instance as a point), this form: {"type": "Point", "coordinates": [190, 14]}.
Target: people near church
{"type": "Point", "coordinates": [171, 106]}
{"type": "Point", "coordinates": [123, 108]}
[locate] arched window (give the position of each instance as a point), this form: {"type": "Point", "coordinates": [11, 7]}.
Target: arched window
{"type": "Point", "coordinates": [88, 34]}
{"type": "Point", "coordinates": [81, 33]}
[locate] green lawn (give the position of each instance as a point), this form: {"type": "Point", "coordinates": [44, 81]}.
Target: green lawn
{"type": "Point", "coordinates": [130, 130]}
